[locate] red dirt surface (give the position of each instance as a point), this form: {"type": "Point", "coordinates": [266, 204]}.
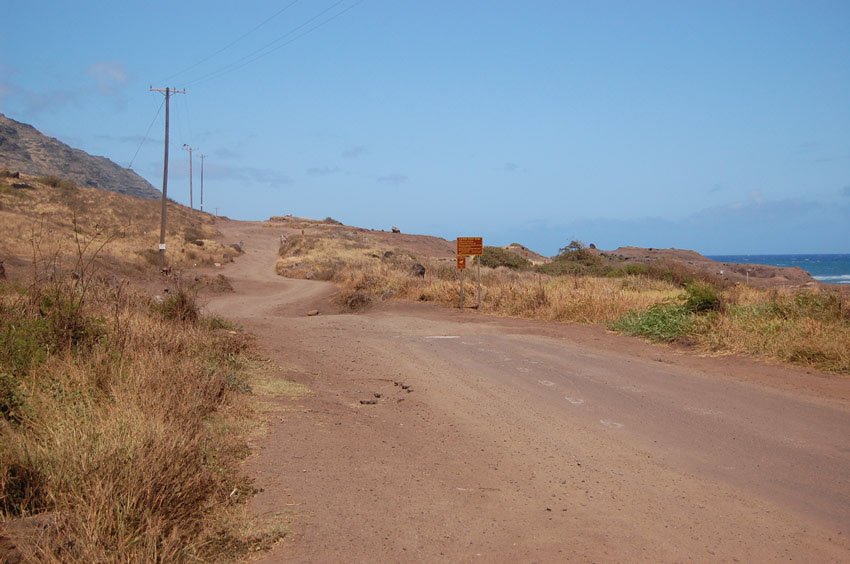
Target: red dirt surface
{"type": "Point", "coordinates": [507, 440]}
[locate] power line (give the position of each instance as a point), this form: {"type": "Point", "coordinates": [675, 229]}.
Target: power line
{"type": "Point", "coordinates": [234, 42]}
{"type": "Point", "coordinates": [145, 138]}
{"type": "Point", "coordinates": [272, 47]}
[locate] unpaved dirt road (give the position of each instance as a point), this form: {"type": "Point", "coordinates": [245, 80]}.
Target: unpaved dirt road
{"type": "Point", "coordinates": [526, 441]}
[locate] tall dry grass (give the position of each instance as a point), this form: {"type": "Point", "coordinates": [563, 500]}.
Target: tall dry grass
{"type": "Point", "coordinates": [810, 327]}
{"type": "Point", "coordinates": [116, 420]}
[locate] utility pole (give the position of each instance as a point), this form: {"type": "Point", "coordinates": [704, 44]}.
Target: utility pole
{"type": "Point", "coordinates": [168, 92]}
{"type": "Point", "coordinates": [202, 181]}
{"type": "Point", "coordinates": [190, 149]}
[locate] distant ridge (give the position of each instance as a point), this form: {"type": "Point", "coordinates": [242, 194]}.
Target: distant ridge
{"type": "Point", "coordinates": [25, 149]}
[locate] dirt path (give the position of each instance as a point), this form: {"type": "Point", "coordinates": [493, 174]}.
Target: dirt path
{"type": "Point", "coordinates": [526, 441]}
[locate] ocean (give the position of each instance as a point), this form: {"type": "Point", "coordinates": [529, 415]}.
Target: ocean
{"type": "Point", "coordinates": [832, 269]}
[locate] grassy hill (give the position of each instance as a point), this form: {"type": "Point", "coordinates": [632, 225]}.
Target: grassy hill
{"type": "Point", "coordinates": [47, 218]}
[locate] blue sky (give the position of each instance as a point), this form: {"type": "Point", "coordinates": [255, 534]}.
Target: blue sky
{"type": "Point", "coordinates": [718, 126]}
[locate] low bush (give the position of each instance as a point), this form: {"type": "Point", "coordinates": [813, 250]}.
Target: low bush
{"type": "Point", "coordinates": [701, 297]}
{"type": "Point", "coordinates": [181, 306]}
{"type": "Point", "coordinates": [577, 260]}
{"type": "Point", "coordinates": [662, 322]}
{"type": "Point", "coordinates": [494, 257]}
{"type": "Point", "coordinates": [192, 233]}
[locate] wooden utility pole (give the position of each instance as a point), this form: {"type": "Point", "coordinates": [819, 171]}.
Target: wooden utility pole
{"type": "Point", "coordinates": [202, 181]}
{"type": "Point", "coordinates": [168, 92]}
{"type": "Point", "coordinates": [190, 149]}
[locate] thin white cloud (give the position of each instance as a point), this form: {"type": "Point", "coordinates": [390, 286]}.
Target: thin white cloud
{"type": "Point", "coordinates": [109, 76]}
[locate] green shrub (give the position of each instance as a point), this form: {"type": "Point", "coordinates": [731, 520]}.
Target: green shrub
{"type": "Point", "coordinates": [577, 251]}
{"type": "Point", "coordinates": [634, 269]}
{"type": "Point", "coordinates": [22, 343]}
{"type": "Point", "coordinates": [575, 259]}
{"type": "Point", "coordinates": [62, 307]}
{"type": "Point", "coordinates": [702, 297]}
{"type": "Point", "coordinates": [180, 306]}
{"type": "Point", "coordinates": [565, 267]}
{"type": "Point", "coordinates": [11, 398]}
{"type": "Point", "coordinates": [665, 322]}
{"type": "Point", "coordinates": [497, 256]}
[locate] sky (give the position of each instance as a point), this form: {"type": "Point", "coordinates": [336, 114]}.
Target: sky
{"type": "Point", "coordinates": [719, 126]}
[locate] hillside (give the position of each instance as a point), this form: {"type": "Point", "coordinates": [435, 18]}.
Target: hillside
{"type": "Point", "coordinates": [25, 149]}
{"type": "Point", "coordinates": [45, 219]}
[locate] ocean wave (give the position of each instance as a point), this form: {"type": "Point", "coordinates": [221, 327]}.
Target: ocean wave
{"type": "Point", "coordinates": [838, 279]}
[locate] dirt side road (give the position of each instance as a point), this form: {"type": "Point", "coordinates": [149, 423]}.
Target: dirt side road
{"type": "Point", "coordinates": [526, 441]}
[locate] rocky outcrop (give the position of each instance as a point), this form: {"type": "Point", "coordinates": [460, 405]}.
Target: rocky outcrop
{"type": "Point", "coordinates": [23, 148]}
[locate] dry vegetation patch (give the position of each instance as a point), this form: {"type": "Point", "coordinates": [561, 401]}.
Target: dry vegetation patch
{"type": "Point", "coordinates": [123, 418]}
{"type": "Point", "coordinates": [120, 423]}
{"type": "Point", "coordinates": [51, 213]}
{"type": "Point", "coordinates": [662, 302]}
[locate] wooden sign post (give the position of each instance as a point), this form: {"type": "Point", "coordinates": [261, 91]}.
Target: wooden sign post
{"type": "Point", "coordinates": [466, 247]}
{"type": "Point", "coordinates": [461, 265]}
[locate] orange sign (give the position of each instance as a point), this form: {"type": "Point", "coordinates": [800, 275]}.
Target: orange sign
{"type": "Point", "coordinates": [470, 246]}
{"type": "Point", "coordinates": [461, 262]}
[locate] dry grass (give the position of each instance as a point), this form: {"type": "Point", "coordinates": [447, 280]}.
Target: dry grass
{"type": "Point", "coordinates": [367, 273]}
{"type": "Point", "coordinates": [123, 418]}
{"type": "Point", "coordinates": [808, 327]}
{"type": "Point", "coordinates": [122, 421]}
{"type": "Point", "coordinates": [51, 213]}
{"type": "Point", "coordinates": [801, 326]}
